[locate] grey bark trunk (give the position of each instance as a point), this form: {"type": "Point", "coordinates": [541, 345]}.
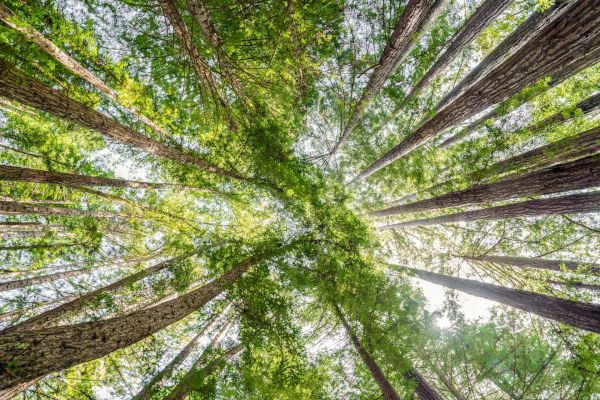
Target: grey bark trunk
{"type": "Point", "coordinates": [17, 86]}
{"type": "Point", "coordinates": [576, 203]}
{"type": "Point", "coordinates": [13, 208]}
{"type": "Point", "coordinates": [414, 18]}
{"type": "Point", "coordinates": [581, 315]}
{"type": "Point", "coordinates": [538, 263]}
{"type": "Point", "coordinates": [575, 175]}
{"type": "Point", "coordinates": [570, 36]}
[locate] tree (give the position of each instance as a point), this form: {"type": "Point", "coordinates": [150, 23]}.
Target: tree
{"type": "Point", "coordinates": [525, 262]}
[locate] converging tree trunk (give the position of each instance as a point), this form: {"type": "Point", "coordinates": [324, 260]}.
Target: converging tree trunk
{"type": "Point", "coordinates": [576, 203]}
{"type": "Point", "coordinates": [14, 208]}
{"type": "Point", "coordinates": [537, 263]}
{"type": "Point", "coordinates": [576, 175]}
{"type": "Point", "coordinates": [17, 86]}
{"type": "Point", "coordinates": [13, 21]}
{"type": "Point", "coordinates": [581, 315]}
{"type": "Point", "coordinates": [570, 36]}
{"type": "Point", "coordinates": [41, 351]}
{"type": "Point", "coordinates": [410, 25]}
{"type": "Point", "coordinates": [38, 307]}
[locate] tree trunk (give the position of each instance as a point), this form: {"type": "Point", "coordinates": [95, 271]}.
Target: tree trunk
{"type": "Point", "coordinates": [19, 174]}
{"type": "Point", "coordinates": [387, 390]}
{"type": "Point", "coordinates": [146, 392]}
{"type": "Point", "coordinates": [20, 224]}
{"type": "Point", "coordinates": [50, 316]}
{"type": "Point", "coordinates": [414, 18]}
{"type": "Point", "coordinates": [577, 285]}
{"type": "Point", "coordinates": [538, 263]}
{"type": "Point", "coordinates": [13, 21]}
{"type": "Point", "coordinates": [570, 36]}
{"type": "Point", "coordinates": [38, 307]}
{"type": "Point", "coordinates": [581, 315]}
{"type": "Point", "coordinates": [15, 390]}
{"type": "Point", "coordinates": [13, 208]}
{"type": "Point", "coordinates": [200, 67]}
{"type": "Point", "coordinates": [576, 175]}
{"type": "Point", "coordinates": [576, 203]}
{"type": "Point", "coordinates": [582, 144]}
{"type": "Point", "coordinates": [42, 351]}
{"type": "Point", "coordinates": [424, 390]}
{"type": "Point", "coordinates": [483, 16]}
{"type": "Point", "coordinates": [17, 86]}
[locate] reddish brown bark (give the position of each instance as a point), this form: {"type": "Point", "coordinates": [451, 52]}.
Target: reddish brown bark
{"type": "Point", "coordinates": [576, 203]}
{"type": "Point", "coordinates": [414, 18]}
{"type": "Point", "coordinates": [581, 315]}
{"type": "Point", "coordinates": [538, 263]}
{"type": "Point", "coordinates": [575, 175]}
{"type": "Point", "coordinates": [570, 36]}
{"type": "Point", "coordinates": [17, 86]}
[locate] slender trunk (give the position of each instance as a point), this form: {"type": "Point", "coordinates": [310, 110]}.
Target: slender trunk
{"type": "Point", "coordinates": [582, 144]}
{"type": "Point", "coordinates": [20, 224]}
{"type": "Point", "coordinates": [22, 234]}
{"type": "Point", "coordinates": [538, 263]}
{"type": "Point", "coordinates": [17, 86]}
{"type": "Point", "coordinates": [39, 246]}
{"type": "Point", "coordinates": [13, 208]}
{"type": "Point", "coordinates": [50, 316]}
{"type": "Point", "coordinates": [15, 390]}
{"type": "Point", "coordinates": [37, 201]}
{"type": "Point", "coordinates": [200, 67]}
{"type": "Point", "coordinates": [483, 16]}
{"type": "Point", "coordinates": [38, 307]}
{"type": "Point", "coordinates": [34, 155]}
{"type": "Point", "coordinates": [415, 17]}
{"type": "Point", "coordinates": [581, 315]}
{"type": "Point", "coordinates": [571, 35]}
{"type": "Point", "coordinates": [200, 13]}
{"type": "Point", "coordinates": [42, 351]}
{"type": "Point", "coordinates": [575, 175]}
{"type": "Point", "coordinates": [146, 392]}
{"type": "Point", "coordinates": [298, 48]}
{"type": "Point", "coordinates": [576, 203]}
{"type": "Point", "coordinates": [424, 390]}
{"type": "Point", "coordinates": [19, 174]}
{"type": "Point", "coordinates": [387, 390]}
{"type": "Point", "coordinates": [577, 285]}
{"type": "Point", "coordinates": [13, 21]}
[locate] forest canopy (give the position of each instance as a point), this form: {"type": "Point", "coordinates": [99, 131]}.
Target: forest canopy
{"type": "Point", "coordinates": [300, 199]}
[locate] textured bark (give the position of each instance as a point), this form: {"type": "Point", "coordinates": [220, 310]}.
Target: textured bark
{"type": "Point", "coordinates": [483, 16]}
{"type": "Point", "coordinates": [13, 208]}
{"type": "Point", "coordinates": [570, 36]}
{"type": "Point", "coordinates": [19, 174]}
{"type": "Point", "coordinates": [200, 67]}
{"type": "Point", "coordinates": [582, 144]}
{"type": "Point", "coordinates": [146, 392]}
{"type": "Point", "coordinates": [575, 175]}
{"type": "Point", "coordinates": [15, 390]}
{"type": "Point", "coordinates": [13, 21]}
{"type": "Point", "coordinates": [17, 86]}
{"type": "Point", "coordinates": [538, 263]}
{"type": "Point", "coordinates": [50, 316]}
{"type": "Point", "coordinates": [581, 315]}
{"type": "Point", "coordinates": [41, 351]}
{"type": "Point", "coordinates": [414, 18]}
{"type": "Point", "coordinates": [424, 390]}
{"type": "Point", "coordinates": [576, 203]}
{"type": "Point", "coordinates": [387, 390]}
{"type": "Point", "coordinates": [200, 13]}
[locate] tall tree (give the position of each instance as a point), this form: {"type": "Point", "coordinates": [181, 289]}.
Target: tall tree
{"type": "Point", "coordinates": [538, 263]}
{"type": "Point", "coordinates": [415, 16]}
{"type": "Point", "coordinates": [581, 315]}
{"type": "Point", "coordinates": [543, 55]}
{"type": "Point", "coordinates": [14, 208]}
{"type": "Point", "coordinates": [575, 203]}
{"type": "Point", "coordinates": [576, 175]}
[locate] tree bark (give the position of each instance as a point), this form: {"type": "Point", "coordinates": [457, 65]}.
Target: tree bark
{"type": "Point", "coordinates": [581, 315]}
{"type": "Point", "coordinates": [387, 390]}
{"type": "Point", "coordinates": [424, 390]}
{"type": "Point", "coordinates": [19, 174]}
{"type": "Point", "coordinates": [538, 263]}
{"type": "Point", "coordinates": [17, 86]}
{"type": "Point", "coordinates": [570, 36]}
{"type": "Point", "coordinates": [576, 203]}
{"type": "Point", "coordinates": [414, 18]}
{"type": "Point", "coordinates": [13, 208]}
{"type": "Point", "coordinates": [15, 390]}
{"type": "Point", "coordinates": [13, 21]}
{"type": "Point", "coordinates": [577, 285]}
{"type": "Point", "coordinates": [42, 351]}
{"type": "Point", "coordinates": [575, 175]}
{"type": "Point", "coordinates": [38, 307]}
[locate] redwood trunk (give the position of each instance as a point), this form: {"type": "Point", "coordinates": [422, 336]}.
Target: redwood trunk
{"type": "Point", "coordinates": [576, 175]}
{"type": "Point", "coordinates": [538, 263]}
{"type": "Point", "coordinates": [411, 23]}
{"type": "Point", "coordinates": [581, 315]}
{"type": "Point", "coordinates": [424, 390]}
{"type": "Point", "coordinates": [576, 203]}
{"type": "Point", "coordinates": [42, 351]}
{"type": "Point", "coordinates": [17, 86]}
{"type": "Point", "coordinates": [570, 36]}
{"type": "Point", "coordinates": [13, 208]}
{"type": "Point", "coordinates": [387, 390]}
